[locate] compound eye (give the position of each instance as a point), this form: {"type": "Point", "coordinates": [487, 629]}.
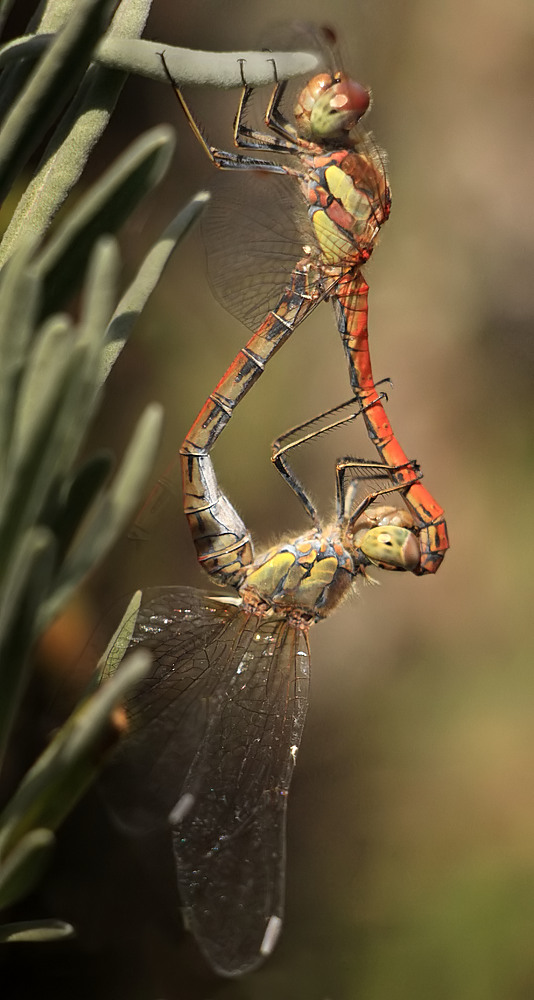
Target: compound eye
{"type": "Point", "coordinates": [337, 110]}
{"type": "Point", "coordinates": [350, 97]}
{"type": "Point", "coordinates": [391, 548]}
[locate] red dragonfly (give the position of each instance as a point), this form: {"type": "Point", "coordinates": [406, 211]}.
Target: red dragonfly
{"type": "Point", "coordinates": [215, 730]}
{"type": "Point", "coordinates": [344, 200]}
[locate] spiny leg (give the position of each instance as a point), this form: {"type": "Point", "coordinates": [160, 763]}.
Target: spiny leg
{"type": "Point", "coordinates": [275, 120]}
{"type": "Point", "coordinates": [280, 448]}
{"type": "Point", "coordinates": [224, 159]}
{"type": "Point", "coordinates": [379, 475]}
{"type": "Point", "coordinates": [375, 470]}
{"type": "Point", "coordinates": [285, 139]}
{"type": "Point", "coordinates": [249, 138]}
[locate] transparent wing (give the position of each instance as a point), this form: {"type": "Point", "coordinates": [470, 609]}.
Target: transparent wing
{"type": "Point", "coordinates": [255, 231]}
{"type": "Point", "coordinates": [223, 709]}
{"type": "Point", "coordinates": [190, 635]}
{"type": "Point", "coordinates": [257, 223]}
{"type": "Point", "coordinates": [300, 36]}
{"type": "Point", "coordinates": [230, 845]}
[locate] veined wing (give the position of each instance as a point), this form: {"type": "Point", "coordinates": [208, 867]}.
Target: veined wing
{"type": "Point", "coordinates": [254, 231]}
{"type": "Point", "coordinates": [257, 224]}
{"type": "Point", "coordinates": [229, 825]}
{"type": "Point", "coordinates": [191, 636]}
{"type": "Point", "coordinates": [234, 687]}
{"type": "Point", "coordinates": [257, 229]}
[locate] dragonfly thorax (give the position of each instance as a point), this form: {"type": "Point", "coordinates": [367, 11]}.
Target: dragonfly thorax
{"type": "Point", "coordinates": [348, 201]}
{"type": "Point", "coordinates": [308, 576]}
{"type": "Point", "coordinates": [329, 106]}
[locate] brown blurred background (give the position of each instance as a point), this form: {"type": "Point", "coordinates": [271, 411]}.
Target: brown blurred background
{"type": "Point", "coordinates": [411, 817]}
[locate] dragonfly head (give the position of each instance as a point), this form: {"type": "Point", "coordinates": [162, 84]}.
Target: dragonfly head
{"type": "Point", "coordinates": [390, 547]}
{"type": "Point", "coordinates": [329, 106]}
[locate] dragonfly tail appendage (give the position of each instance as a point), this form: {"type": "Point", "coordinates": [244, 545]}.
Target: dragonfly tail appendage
{"type": "Point", "coordinates": [351, 309]}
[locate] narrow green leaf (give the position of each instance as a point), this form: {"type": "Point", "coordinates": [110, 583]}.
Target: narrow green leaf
{"type": "Point", "coordinates": [76, 135]}
{"type": "Point", "coordinates": [110, 514]}
{"type": "Point", "coordinates": [146, 279]}
{"type": "Point", "coordinates": [99, 289]}
{"type": "Point", "coordinates": [57, 398]}
{"type": "Point", "coordinates": [26, 580]}
{"type": "Point", "coordinates": [120, 640]}
{"type": "Point", "coordinates": [102, 210]}
{"type": "Point", "coordinates": [189, 66]}
{"type": "Point", "coordinates": [49, 18]}
{"type": "Point", "coordinates": [30, 550]}
{"type": "Point", "coordinates": [54, 81]}
{"type": "Point", "coordinates": [85, 486]}
{"type": "Point", "coordinates": [19, 288]}
{"type": "Point", "coordinates": [25, 865]}
{"type": "Point", "coordinates": [35, 930]}
{"type": "Point", "coordinates": [79, 400]}
{"type": "Point", "coordinates": [48, 366]}
{"type": "Point", "coordinates": [61, 774]}
{"type": "Point", "coordinates": [28, 47]}
{"type": "Point", "coordinates": [51, 15]}
{"type": "Point", "coordinates": [50, 378]}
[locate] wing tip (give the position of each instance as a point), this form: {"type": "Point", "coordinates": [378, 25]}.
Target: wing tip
{"type": "Point", "coordinates": [272, 933]}
{"type": "Point", "coordinates": [181, 809]}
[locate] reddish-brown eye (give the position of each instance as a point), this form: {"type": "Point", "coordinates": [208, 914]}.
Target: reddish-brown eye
{"type": "Point", "coordinates": [350, 96]}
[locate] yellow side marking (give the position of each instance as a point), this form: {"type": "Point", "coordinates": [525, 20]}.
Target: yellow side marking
{"type": "Point", "coordinates": [266, 578]}
{"type": "Point", "coordinates": [320, 577]}
{"type": "Point", "coordinates": [342, 187]}
{"type": "Point", "coordinates": [335, 247]}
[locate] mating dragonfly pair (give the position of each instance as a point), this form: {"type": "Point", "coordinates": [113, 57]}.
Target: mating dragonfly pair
{"type": "Point", "coordinates": [216, 728]}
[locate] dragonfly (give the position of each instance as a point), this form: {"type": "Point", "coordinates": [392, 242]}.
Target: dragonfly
{"type": "Point", "coordinates": [334, 197]}
{"type": "Point", "coordinates": [215, 730]}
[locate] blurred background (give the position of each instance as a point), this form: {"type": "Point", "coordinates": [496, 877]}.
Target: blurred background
{"type": "Point", "coordinates": [411, 815]}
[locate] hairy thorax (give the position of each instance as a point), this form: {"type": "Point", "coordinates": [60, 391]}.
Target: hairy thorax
{"type": "Point", "coordinates": [348, 201]}
{"type": "Point", "coordinates": [307, 577]}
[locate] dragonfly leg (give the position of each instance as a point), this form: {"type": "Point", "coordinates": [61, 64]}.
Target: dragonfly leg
{"type": "Point", "coordinates": [276, 121]}
{"type": "Point", "coordinates": [351, 307]}
{"type": "Point", "coordinates": [280, 448]}
{"type": "Point", "coordinates": [285, 139]}
{"type": "Point", "coordinates": [221, 158]}
{"type": "Point", "coordinates": [378, 469]}
{"type": "Point", "coordinates": [249, 138]}
{"type": "Point", "coordinates": [378, 473]}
